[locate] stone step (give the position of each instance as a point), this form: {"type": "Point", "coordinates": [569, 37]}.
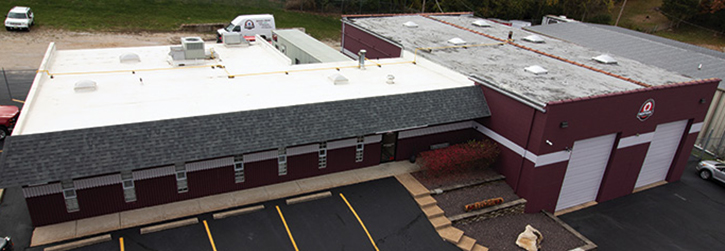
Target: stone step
{"type": "Point", "coordinates": [440, 222]}
{"type": "Point", "coordinates": [478, 247]}
{"type": "Point", "coordinates": [432, 211]}
{"type": "Point", "coordinates": [466, 243]}
{"type": "Point", "coordinates": [451, 234]}
{"type": "Point", "coordinates": [412, 185]}
{"type": "Point", "coordinates": [425, 201]}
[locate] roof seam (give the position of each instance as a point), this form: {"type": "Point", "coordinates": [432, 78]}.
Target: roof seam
{"type": "Point", "coordinates": [540, 52]}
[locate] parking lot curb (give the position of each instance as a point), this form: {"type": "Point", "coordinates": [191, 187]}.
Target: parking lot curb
{"type": "Point", "coordinates": [230, 213]}
{"type": "Point", "coordinates": [169, 225]}
{"type": "Point", "coordinates": [310, 197]}
{"type": "Point", "coordinates": [588, 246]}
{"type": "Point", "coordinates": [79, 243]}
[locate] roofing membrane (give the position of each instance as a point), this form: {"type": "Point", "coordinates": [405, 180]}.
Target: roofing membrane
{"type": "Point", "coordinates": [504, 65]}
{"type": "Point", "coordinates": [152, 89]}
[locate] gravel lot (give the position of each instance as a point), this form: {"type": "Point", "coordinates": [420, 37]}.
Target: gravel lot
{"type": "Point", "coordinates": [501, 233]}
{"type": "Point", "coordinates": [452, 202]}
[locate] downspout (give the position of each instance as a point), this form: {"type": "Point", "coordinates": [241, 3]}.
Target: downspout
{"type": "Point", "coordinates": [526, 147]}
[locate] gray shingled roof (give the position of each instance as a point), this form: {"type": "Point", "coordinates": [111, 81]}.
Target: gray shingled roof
{"type": "Point", "coordinates": [46, 157]}
{"type": "Point", "coordinates": [648, 49]}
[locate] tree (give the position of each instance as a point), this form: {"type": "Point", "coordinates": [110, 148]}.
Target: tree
{"type": "Point", "coordinates": [680, 10]}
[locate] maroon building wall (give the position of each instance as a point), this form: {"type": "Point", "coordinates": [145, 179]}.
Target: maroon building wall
{"type": "Point", "coordinates": [354, 40]}
{"type": "Point", "coordinates": [50, 209]}
{"type": "Point", "coordinates": [411, 146]}
{"type": "Point", "coordinates": [607, 114]}
{"type": "Point", "coordinates": [621, 174]}
{"type": "Point", "coordinates": [512, 120]}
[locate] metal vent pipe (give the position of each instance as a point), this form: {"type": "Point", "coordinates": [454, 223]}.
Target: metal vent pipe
{"type": "Point", "coordinates": [361, 59]}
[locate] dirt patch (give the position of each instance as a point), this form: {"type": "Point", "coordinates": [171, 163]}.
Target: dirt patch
{"type": "Point", "coordinates": [453, 202]}
{"type": "Point", "coordinates": [501, 233]}
{"type": "Point", "coordinates": [24, 50]}
{"type": "Point", "coordinates": [464, 177]}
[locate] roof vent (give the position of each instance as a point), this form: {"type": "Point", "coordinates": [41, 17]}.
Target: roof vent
{"type": "Point", "coordinates": [456, 41]}
{"type": "Point", "coordinates": [193, 48]}
{"type": "Point", "coordinates": [481, 23]}
{"type": "Point", "coordinates": [85, 86]}
{"type": "Point", "coordinates": [410, 24]}
{"type": "Point", "coordinates": [534, 38]}
{"type": "Point", "coordinates": [129, 58]}
{"type": "Point", "coordinates": [605, 59]}
{"type": "Point", "coordinates": [536, 70]}
{"type": "Point", "coordinates": [338, 79]}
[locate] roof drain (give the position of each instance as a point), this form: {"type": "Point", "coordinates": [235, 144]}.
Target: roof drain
{"type": "Point", "coordinates": [361, 59]}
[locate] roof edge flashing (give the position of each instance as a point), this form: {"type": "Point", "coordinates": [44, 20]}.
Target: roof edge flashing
{"type": "Point", "coordinates": [523, 99]}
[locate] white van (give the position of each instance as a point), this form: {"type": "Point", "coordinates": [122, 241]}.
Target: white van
{"type": "Point", "coordinates": [249, 26]}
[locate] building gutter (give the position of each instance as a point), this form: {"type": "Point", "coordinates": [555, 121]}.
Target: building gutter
{"type": "Point", "coordinates": [518, 97]}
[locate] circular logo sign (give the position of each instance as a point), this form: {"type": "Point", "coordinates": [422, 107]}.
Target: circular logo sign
{"type": "Point", "coordinates": [248, 24]}
{"type": "Point", "coordinates": [647, 109]}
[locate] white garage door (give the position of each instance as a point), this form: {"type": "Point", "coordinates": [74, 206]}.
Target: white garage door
{"type": "Point", "coordinates": [584, 173]}
{"type": "Point", "coordinates": [661, 152]}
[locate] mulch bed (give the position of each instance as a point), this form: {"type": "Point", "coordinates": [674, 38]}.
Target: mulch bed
{"type": "Point", "coordinates": [453, 202]}
{"type": "Point", "coordinates": [501, 233]}
{"type": "Point", "coordinates": [463, 177]}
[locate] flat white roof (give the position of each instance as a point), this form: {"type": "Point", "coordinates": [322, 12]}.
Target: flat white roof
{"type": "Point", "coordinates": [503, 65]}
{"type": "Point", "coordinates": [153, 89]}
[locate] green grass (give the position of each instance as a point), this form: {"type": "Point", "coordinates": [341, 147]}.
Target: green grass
{"type": "Point", "coordinates": [166, 15]}
{"type": "Point", "coordinates": [694, 36]}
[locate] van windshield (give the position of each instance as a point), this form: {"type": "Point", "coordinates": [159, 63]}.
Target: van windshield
{"type": "Point", "coordinates": [229, 27]}
{"type": "Point", "coordinates": [17, 15]}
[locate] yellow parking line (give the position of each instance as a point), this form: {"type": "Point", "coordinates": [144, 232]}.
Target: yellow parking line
{"type": "Point", "coordinates": [19, 101]}
{"type": "Point", "coordinates": [287, 227]}
{"type": "Point", "coordinates": [120, 241]}
{"type": "Point", "coordinates": [211, 240]}
{"type": "Point", "coordinates": [361, 223]}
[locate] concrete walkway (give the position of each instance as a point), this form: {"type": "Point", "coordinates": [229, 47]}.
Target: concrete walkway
{"type": "Point", "coordinates": [111, 222]}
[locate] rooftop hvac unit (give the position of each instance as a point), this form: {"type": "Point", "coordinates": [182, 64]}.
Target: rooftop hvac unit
{"type": "Point", "coordinates": [193, 48]}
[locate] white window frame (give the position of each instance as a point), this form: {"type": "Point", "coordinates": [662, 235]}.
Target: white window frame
{"type": "Point", "coordinates": [282, 161]}
{"type": "Point", "coordinates": [182, 185]}
{"type": "Point", "coordinates": [71, 201]}
{"type": "Point", "coordinates": [239, 169]}
{"type": "Point", "coordinates": [322, 156]}
{"type": "Point", "coordinates": [360, 149]}
{"type": "Point", "coordinates": [129, 192]}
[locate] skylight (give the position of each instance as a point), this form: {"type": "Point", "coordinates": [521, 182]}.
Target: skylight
{"type": "Point", "coordinates": [605, 59]}
{"type": "Point", "coordinates": [410, 24]}
{"type": "Point", "coordinates": [534, 38]}
{"type": "Point", "coordinates": [536, 70]}
{"type": "Point", "coordinates": [456, 41]}
{"type": "Point", "coordinates": [481, 23]}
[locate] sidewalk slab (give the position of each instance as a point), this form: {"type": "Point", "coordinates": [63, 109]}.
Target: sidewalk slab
{"type": "Point", "coordinates": [426, 201]}
{"type": "Point", "coordinates": [80, 243]}
{"type": "Point", "coordinates": [478, 247]}
{"type": "Point", "coordinates": [180, 209]}
{"type": "Point", "coordinates": [98, 224]}
{"type": "Point", "coordinates": [141, 216]}
{"type": "Point", "coordinates": [414, 187]}
{"type": "Point", "coordinates": [466, 243]}
{"type": "Point", "coordinates": [451, 234]}
{"type": "Point", "coordinates": [433, 211]}
{"type": "Point", "coordinates": [281, 190]}
{"type": "Point", "coordinates": [315, 183]}
{"type": "Point", "coordinates": [53, 233]}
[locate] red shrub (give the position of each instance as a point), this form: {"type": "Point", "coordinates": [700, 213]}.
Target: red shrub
{"type": "Point", "coordinates": [473, 154]}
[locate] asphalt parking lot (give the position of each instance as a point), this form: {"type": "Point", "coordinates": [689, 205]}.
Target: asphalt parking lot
{"type": "Point", "coordinates": [683, 215]}
{"type": "Point", "coordinates": [388, 213]}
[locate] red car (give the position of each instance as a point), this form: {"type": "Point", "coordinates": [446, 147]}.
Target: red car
{"type": "Point", "coordinates": [8, 116]}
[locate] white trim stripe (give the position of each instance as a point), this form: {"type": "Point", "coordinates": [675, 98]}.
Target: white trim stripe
{"type": "Point", "coordinates": [97, 181]}
{"type": "Point", "coordinates": [259, 156]}
{"type": "Point", "coordinates": [299, 150]}
{"type": "Point", "coordinates": [153, 172]}
{"type": "Point", "coordinates": [373, 139]}
{"type": "Point", "coordinates": [551, 158]}
{"type": "Point", "coordinates": [502, 140]}
{"type": "Point", "coordinates": [696, 127]}
{"type": "Point", "coordinates": [635, 140]}
{"type": "Point", "coordinates": [434, 130]}
{"type": "Point", "coordinates": [209, 164]}
{"type": "Point", "coordinates": [35, 191]}
{"type": "Point", "coordinates": [341, 143]}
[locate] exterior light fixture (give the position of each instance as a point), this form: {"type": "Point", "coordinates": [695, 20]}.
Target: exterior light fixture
{"type": "Point", "coordinates": [564, 124]}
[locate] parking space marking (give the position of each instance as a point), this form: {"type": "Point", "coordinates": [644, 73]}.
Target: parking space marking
{"type": "Point", "coordinates": [287, 227]}
{"type": "Point", "coordinates": [120, 242]}
{"type": "Point", "coordinates": [211, 239]}
{"type": "Point", "coordinates": [361, 223]}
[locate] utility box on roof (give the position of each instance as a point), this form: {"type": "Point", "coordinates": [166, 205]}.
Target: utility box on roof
{"type": "Point", "coordinates": [304, 49]}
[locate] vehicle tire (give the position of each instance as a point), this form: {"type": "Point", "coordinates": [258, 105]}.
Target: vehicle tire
{"type": "Point", "coordinates": [7, 28]}
{"type": "Point", "coordinates": [705, 174]}
{"type": "Point", "coordinates": [3, 132]}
